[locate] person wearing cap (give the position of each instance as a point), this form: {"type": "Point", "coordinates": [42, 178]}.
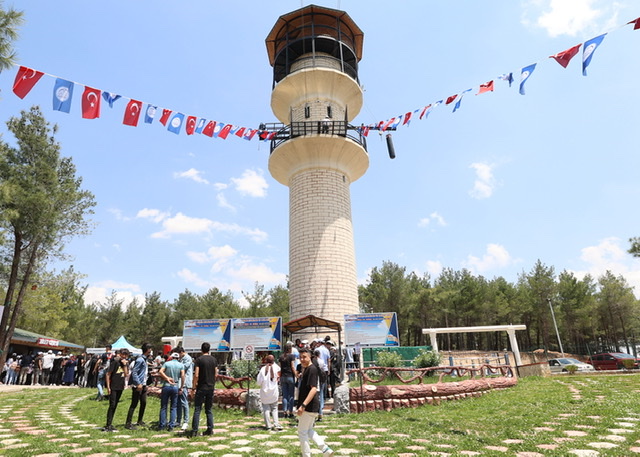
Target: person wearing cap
{"type": "Point", "coordinates": [37, 378]}
{"type": "Point", "coordinates": [268, 378]}
{"type": "Point", "coordinates": [47, 364]}
{"type": "Point", "coordinates": [172, 375]}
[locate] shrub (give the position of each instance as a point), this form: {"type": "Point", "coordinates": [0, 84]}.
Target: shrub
{"type": "Point", "coordinates": [571, 369]}
{"type": "Point", "coordinates": [628, 364]}
{"type": "Point", "coordinates": [240, 368]}
{"type": "Point", "coordinates": [388, 359]}
{"type": "Point", "coordinates": [426, 359]}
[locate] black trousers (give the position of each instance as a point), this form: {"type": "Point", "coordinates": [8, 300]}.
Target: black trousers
{"type": "Point", "coordinates": [137, 396]}
{"type": "Point", "coordinates": [114, 398]}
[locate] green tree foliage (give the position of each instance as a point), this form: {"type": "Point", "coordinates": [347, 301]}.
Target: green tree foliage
{"type": "Point", "coordinates": [10, 19]}
{"type": "Point", "coordinates": [388, 359]}
{"type": "Point", "coordinates": [42, 205]}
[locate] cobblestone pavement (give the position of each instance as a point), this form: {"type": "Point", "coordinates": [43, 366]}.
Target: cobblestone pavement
{"type": "Point", "coordinates": [50, 418]}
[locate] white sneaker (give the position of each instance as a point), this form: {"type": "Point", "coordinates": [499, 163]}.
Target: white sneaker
{"type": "Point", "coordinates": [184, 427]}
{"type": "Point", "coordinates": [327, 452]}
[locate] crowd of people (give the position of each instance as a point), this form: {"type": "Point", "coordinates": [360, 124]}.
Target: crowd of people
{"type": "Point", "coordinates": [45, 368]}
{"type": "Point", "coordinates": [304, 375]}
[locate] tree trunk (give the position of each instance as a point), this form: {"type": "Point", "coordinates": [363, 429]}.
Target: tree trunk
{"type": "Point", "coordinates": [18, 304]}
{"type": "Point", "coordinates": [13, 279]}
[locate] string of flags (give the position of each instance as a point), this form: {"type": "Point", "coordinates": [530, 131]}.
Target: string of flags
{"type": "Point", "coordinates": [91, 104]}
{"type": "Point", "coordinates": [563, 58]}
{"type": "Point", "coordinates": [175, 121]}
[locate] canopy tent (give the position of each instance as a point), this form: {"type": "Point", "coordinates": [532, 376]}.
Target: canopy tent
{"type": "Point", "coordinates": [301, 325]}
{"type": "Point", "coordinates": [122, 343]}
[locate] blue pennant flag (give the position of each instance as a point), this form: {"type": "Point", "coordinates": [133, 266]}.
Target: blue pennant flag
{"type": "Point", "coordinates": [110, 97]}
{"type": "Point", "coordinates": [588, 49]}
{"type": "Point", "coordinates": [62, 93]}
{"type": "Point", "coordinates": [507, 77]}
{"type": "Point", "coordinates": [175, 124]}
{"type": "Point", "coordinates": [201, 124]}
{"type": "Point", "coordinates": [217, 129]}
{"type": "Point", "coordinates": [150, 113]}
{"type": "Point", "coordinates": [457, 105]}
{"type": "Point", "coordinates": [526, 72]}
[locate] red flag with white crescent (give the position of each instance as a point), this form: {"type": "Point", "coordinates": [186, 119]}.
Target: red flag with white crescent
{"type": "Point", "coordinates": [26, 78]}
{"type": "Point", "coordinates": [209, 128]}
{"type": "Point", "coordinates": [192, 121]}
{"type": "Point", "coordinates": [165, 116]}
{"type": "Point", "coordinates": [91, 103]}
{"type": "Point", "coordinates": [132, 113]}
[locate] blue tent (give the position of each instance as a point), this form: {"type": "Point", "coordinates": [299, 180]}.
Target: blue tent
{"type": "Point", "coordinates": [122, 343]}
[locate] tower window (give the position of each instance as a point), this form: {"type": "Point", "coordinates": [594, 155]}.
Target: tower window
{"type": "Point", "coordinates": [307, 112]}
{"type": "Point", "coordinates": [329, 112]}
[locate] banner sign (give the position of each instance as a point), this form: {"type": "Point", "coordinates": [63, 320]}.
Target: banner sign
{"type": "Point", "coordinates": [47, 342]}
{"type": "Point", "coordinates": [371, 330]}
{"type": "Point", "coordinates": [216, 332]}
{"type": "Point", "coordinates": [262, 333]}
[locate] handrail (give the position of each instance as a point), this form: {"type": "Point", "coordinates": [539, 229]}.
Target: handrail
{"type": "Point", "coordinates": [315, 128]}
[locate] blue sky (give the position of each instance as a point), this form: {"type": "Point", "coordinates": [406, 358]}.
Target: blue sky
{"type": "Point", "coordinates": [505, 181]}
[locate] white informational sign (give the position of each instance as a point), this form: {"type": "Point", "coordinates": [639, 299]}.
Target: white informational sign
{"type": "Point", "coordinates": [262, 333]}
{"type": "Point", "coordinates": [216, 332]}
{"type": "Point", "coordinates": [371, 330]}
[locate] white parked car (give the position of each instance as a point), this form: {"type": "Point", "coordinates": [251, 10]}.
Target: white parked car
{"type": "Point", "coordinates": [560, 365]}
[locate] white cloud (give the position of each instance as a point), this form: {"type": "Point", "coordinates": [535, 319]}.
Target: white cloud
{"type": "Point", "coordinates": [251, 183]}
{"type": "Point", "coordinates": [181, 224]}
{"type": "Point", "coordinates": [230, 271]}
{"type": "Point", "coordinates": [223, 203]}
{"type": "Point", "coordinates": [118, 214]}
{"type": "Point", "coordinates": [193, 174]}
{"type": "Point", "coordinates": [433, 217]}
{"type": "Point", "coordinates": [434, 267]}
{"type": "Point", "coordinates": [496, 257]}
{"type": "Point", "coordinates": [155, 215]}
{"type": "Point", "coordinates": [100, 291]}
{"type": "Point", "coordinates": [485, 182]}
{"type": "Point", "coordinates": [610, 254]}
{"type": "Point", "coordinates": [190, 277]}
{"type": "Point", "coordinates": [571, 17]}
{"type": "Point", "coordinates": [220, 186]}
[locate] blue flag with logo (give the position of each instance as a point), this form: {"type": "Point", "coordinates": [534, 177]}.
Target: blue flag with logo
{"type": "Point", "coordinates": [175, 124]}
{"type": "Point", "coordinates": [526, 72]}
{"type": "Point", "coordinates": [110, 97]}
{"type": "Point", "coordinates": [150, 113]}
{"type": "Point", "coordinates": [200, 125]}
{"type": "Point", "coordinates": [588, 49]}
{"type": "Point", "coordinates": [62, 93]}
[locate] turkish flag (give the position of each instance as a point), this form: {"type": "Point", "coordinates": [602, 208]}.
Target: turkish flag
{"type": "Point", "coordinates": [210, 127]}
{"type": "Point", "coordinates": [165, 116]}
{"type": "Point", "coordinates": [636, 23]}
{"type": "Point", "coordinates": [240, 132]}
{"type": "Point", "coordinates": [450, 99]}
{"type": "Point", "coordinates": [564, 57]}
{"type": "Point", "coordinates": [486, 87]}
{"type": "Point", "coordinates": [225, 131]}
{"type": "Point", "coordinates": [26, 78]}
{"type": "Point", "coordinates": [191, 124]}
{"type": "Point", "coordinates": [90, 103]}
{"type": "Point", "coordinates": [132, 113]}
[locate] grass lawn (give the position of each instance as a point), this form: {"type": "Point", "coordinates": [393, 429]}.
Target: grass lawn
{"type": "Point", "coordinates": [597, 414]}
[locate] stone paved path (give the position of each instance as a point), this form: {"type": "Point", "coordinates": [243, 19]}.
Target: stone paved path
{"type": "Point", "coordinates": [54, 422]}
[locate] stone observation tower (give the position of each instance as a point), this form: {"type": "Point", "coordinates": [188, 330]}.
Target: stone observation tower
{"type": "Point", "coordinates": [314, 52]}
